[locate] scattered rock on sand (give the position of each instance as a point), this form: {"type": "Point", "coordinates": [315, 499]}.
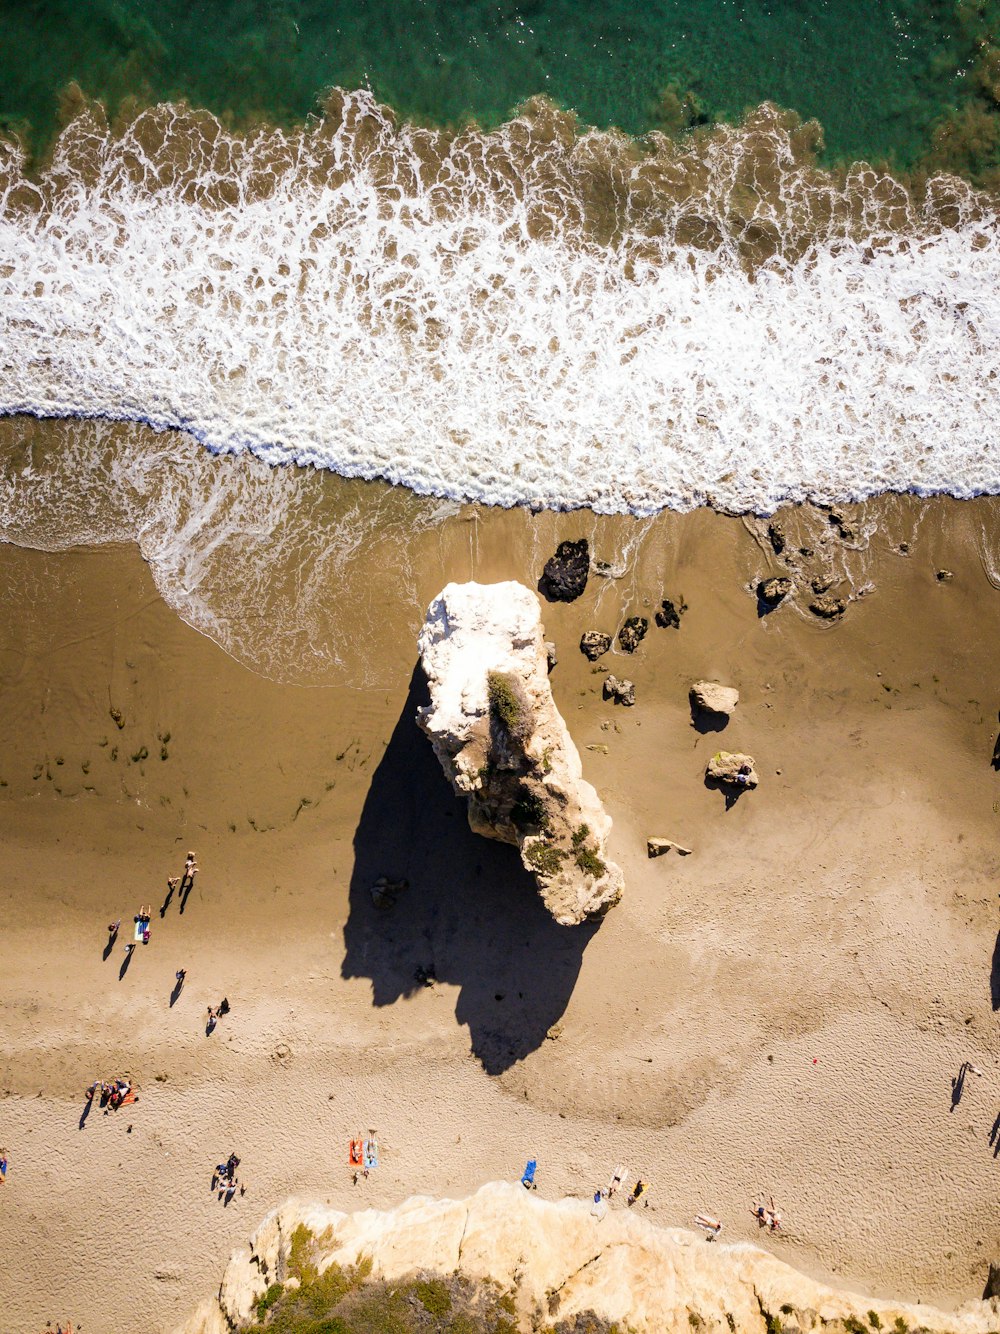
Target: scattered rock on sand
{"type": "Point", "coordinates": [944, 576]}
{"type": "Point", "coordinates": [734, 769]}
{"type": "Point", "coordinates": [501, 741]}
{"type": "Point", "coordinates": [669, 615]}
{"type": "Point", "coordinates": [773, 591]}
{"type": "Point", "coordinates": [632, 633]}
{"type": "Point", "coordinates": [621, 691]}
{"type": "Point", "coordinates": [710, 697]}
{"type": "Point", "coordinates": [565, 575]}
{"type": "Point", "coordinates": [776, 536]}
{"type": "Point", "coordinates": [827, 607]}
{"type": "Point", "coordinates": [550, 654]}
{"type": "Point", "coordinates": [594, 645]}
{"type": "Point", "coordinates": [656, 847]}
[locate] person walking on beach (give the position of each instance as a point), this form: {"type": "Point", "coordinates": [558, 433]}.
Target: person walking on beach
{"type": "Point", "coordinates": [113, 931]}
{"type": "Point", "coordinates": [3, 1166]}
{"type": "Point", "coordinates": [213, 1019]}
{"type": "Point", "coordinates": [180, 975]}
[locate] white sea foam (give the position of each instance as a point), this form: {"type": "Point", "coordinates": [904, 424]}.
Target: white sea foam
{"type": "Point", "coordinates": [475, 326]}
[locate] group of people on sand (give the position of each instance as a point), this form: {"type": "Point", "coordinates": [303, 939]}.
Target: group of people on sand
{"type": "Point", "coordinates": [224, 1178]}
{"type": "Point", "coordinates": [112, 1093]}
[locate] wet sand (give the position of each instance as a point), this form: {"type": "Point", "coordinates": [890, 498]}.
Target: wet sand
{"type": "Point", "coordinates": [783, 1011]}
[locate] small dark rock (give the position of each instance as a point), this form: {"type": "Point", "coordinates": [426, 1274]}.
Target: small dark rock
{"type": "Point", "coordinates": [844, 528]}
{"type": "Point", "coordinates": [772, 591]}
{"type": "Point", "coordinates": [594, 645]}
{"type": "Point", "coordinates": [827, 607]}
{"type": "Point", "coordinates": [565, 575]}
{"type": "Point", "coordinates": [776, 536]}
{"type": "Point", "coordinates": [603, 568]}
{"type": "Point", "coordinates": [632, 633]}
{"type": "Point", "coordinates": [622, 692]}
{"type": "Point", "coordinates": [904, 548]}
{"type": "Point", "coordinates": [820, 585]}
{"type": "Point", "coordinates": [669, 615]}
{"type": "Point", "coordinates": [550, 653]}
{"type": "Point", "coordinates": [943, 576]}
{"type": "Point", "coordinates": [807, 552]}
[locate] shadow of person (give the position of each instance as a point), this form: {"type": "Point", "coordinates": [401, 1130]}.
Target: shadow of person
{"type": "Point", "coordinates": [86, 1112]}
{"type": "Point", "coordinates": [187, 884]}
{"type": "Point", "coordinates": [175, 995]}
{"type": "Point", "coordinates": [109, 946]}
{"type": "Point", "coordinates": [995, 975]}
{"type": "Point", "coordinates": [471, 916]}
{"type": "Point", "coordinates": [958, 1085]}
{"type": "Point", "coordinates": [125, 963]}
{"type": "Point", "coordinates": [995, 1138]}
{"type": "Point", "coordinates": [996, 750]}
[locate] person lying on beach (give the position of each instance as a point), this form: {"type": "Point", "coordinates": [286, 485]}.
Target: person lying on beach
{"type": "Point", "coordinates": [3, 1166]}
{"type": "Point", "coordinates": [711, 1225]}
{"type": "Point", "coordinates": [213, 1019]}
{"type": "Point", "coordinates": [638, 1190]}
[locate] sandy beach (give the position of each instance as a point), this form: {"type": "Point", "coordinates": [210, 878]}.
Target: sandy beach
{"type": "Point", "coordinates": [783, 1011]}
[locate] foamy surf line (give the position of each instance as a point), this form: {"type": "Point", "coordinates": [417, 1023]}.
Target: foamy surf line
{"type": "Point", "coordinates": [457, 315]}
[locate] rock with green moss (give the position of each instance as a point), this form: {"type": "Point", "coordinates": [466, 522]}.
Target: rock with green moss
{"type": "Point", "coordinates": [501, 740]}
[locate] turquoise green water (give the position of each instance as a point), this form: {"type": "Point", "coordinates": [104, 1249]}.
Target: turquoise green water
{"type": "Point", "coordinates": [878, 74]}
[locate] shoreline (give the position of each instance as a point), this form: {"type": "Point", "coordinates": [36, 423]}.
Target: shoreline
{"type": "Point", "coordinates": [844, 911]}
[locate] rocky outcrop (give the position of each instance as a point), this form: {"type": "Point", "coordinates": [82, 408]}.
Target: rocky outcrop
{"type": "Point", "coordinates": [565, 574]}
{"type": "Point", "coordinates": [669, 615]}
{"type": "Point", "coordinates": [710, 697]}
{"type": "Point", "coordinates": [632, 633]}
{"type": "Point", "coordinates": [656, 847]}
{"type": "Point", "coordinates": [500, 739]}
{"type": "Point", "coordinates": [620, 690]}
{"type": "Point", "coordinates": [826, 607]}
{"type": "Point", "coordinates": [732, 769]}
{"type": "Point", "coordinates": [559, 1261]}
{"type": "Point", "coordinates": [773, 591]}
{"type": "Point", "coordinates": [594, 645]}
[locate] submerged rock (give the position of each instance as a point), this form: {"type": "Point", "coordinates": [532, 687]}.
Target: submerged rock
{"type": "Point", "coordinates": [773, 591]}
{"type": "Point", "coordinates": [776, 536]}
{"type": "Point", "coordinates": [594, 645]}
{"type": "Point", "coordinates": [669, 615]}
{"type": "Point", "coordinates": [632, 633]}
{"type": "Point", "coordinates": [495, 728]}
{"type": "Point", "coordinates": [733, 769]}
{"type": "Point", "coordinates": [565, 574]}
{"type": "Point", "coordinates": [710, 697]}
{"type": "Point", "coordinates": [829, 608]}
{"type": "Point", "coordinates": [621, 691]}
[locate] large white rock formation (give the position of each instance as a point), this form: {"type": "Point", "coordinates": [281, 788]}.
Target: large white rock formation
{"type": "Point", "coordinates": [559, 1260]}
{"type": "Point", "coordinates": [496, 730]}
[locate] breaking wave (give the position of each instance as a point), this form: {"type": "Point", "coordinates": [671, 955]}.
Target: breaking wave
{"type": "Point", "coordinates": [531, 316]}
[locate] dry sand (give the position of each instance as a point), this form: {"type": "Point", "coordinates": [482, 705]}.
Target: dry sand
{"type": "Point", "coordinates": [783, 1011]}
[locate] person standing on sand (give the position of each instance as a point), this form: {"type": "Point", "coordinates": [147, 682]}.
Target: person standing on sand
{"type": "Point", "coordinates": [3, 1166]}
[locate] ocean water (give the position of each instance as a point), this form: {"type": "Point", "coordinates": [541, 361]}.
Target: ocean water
{"type": "Point", "coordinates": [559, 306]}
{"type": "Point", "coordinates": [877, 74]}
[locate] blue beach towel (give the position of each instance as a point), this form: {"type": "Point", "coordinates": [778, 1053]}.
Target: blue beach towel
{"type": "Point", "coordinates": [371, 1153]}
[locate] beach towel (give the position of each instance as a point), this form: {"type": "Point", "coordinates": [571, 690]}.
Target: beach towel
{"type": "Point", "coordinates": [528, 1179]}
{"type": "Point", "coordinates": [355, 1154]}
{"type": "Point", "coordinates": [371, 1153]}
{"type": "Point", "coordinates": [130, 1096]}
{"type": "Point", "coordinates": [139, 929]}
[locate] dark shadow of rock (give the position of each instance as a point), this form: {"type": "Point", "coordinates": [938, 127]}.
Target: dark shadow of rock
{"type": "Point", "coordinates": [995, 975]}
{"type": "Point", "coordinates": [707, 720]}
{"type": "Point", "coordinates": [471, 916]}
{"type": "Point", "coordinates": [731, 793]}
